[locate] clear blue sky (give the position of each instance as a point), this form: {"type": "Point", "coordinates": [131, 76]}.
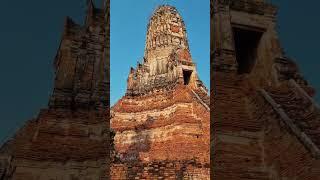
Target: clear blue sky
{"type": "Point", "coordinates": [299, 32]}
{"type": "Point", "coordinates": [128, 24]}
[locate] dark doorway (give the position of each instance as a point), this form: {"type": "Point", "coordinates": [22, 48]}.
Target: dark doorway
{"type": "Point", "coordinates": [186, 76]}
{"type": "Point", "coordinates": [246, 44]}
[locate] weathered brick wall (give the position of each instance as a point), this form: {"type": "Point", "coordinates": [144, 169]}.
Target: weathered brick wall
{"type": "Point", "coordinates": [237, 148]}
{"type": "Point", "coordinates": [289, 150]}
{"type": "Point", "coordinates": [149, 129]}
{"type": "Point", "coordinates": [69, 139]}
{"type": "Point", "coordinates": [60, 144]}
{"type": "Point", "coordinates": [81, 67]}
{"type": "Point", "coordinates": [262, 128]}
{"type": "Point", "coordinates": [162, 123]}
{"type": "Point", "coordinates": [160, 170]}
{"type": "Point", "coordinates": [285, 156]}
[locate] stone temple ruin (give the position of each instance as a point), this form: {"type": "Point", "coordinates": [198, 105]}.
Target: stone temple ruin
{"type": "Point", "coordinates": [264, 122]}
{"type": "Point", "coordinates": [162, 125]}
{"type": "Point", "coordinates": [69, 139]}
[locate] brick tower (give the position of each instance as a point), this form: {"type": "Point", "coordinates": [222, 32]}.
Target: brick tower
{"type": "Point", "coordinates": [69, 139]}
{"type": "Point", "coordinates": [162, 123]}
{"type": "Point", "coordinates": [265, 125]}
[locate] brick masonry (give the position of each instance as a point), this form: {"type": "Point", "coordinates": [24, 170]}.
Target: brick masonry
{"type": "Point", "coordinates": [69, 139]}
{"type": "Point", "coordinates": [162, 123]}
{"type": "Point", "coordinates": [265, 124]}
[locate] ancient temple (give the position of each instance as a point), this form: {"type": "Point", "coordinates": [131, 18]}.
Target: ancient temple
{"type": "Point", "coordinates": [265, 124]}
{"type": "Point", "coordinates": [162, 124]}
{"type": "Point", "coordinates": [69, 139]}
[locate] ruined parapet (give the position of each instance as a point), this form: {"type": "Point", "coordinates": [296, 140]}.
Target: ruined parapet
{"type": "Point", "coordinates": [80, 65]}
{"type": "Point", "coordinates": [69, 139]}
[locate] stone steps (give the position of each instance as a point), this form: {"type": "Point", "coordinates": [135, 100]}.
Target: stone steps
{"type": "Point", "coordinates": [203, 96]}
{"type": "Point", "coordinates": [303, 113]}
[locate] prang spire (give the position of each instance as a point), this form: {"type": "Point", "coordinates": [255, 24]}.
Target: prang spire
{"type": "Point", "coordinates": [167, 60]}
{"type": "Point", "coordinates": [166, 31]}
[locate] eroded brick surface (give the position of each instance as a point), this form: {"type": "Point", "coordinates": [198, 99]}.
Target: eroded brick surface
{"type": "Point", "coordinates": [264, 125]}
{"type": "Point", "coordinates": [69, 139]}
{"type": "Point", "coordinates": [162, 124]}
